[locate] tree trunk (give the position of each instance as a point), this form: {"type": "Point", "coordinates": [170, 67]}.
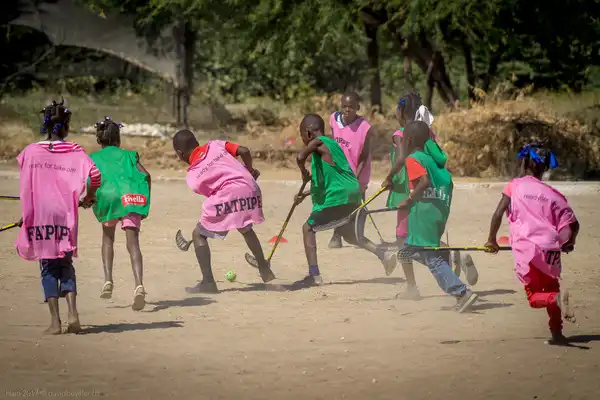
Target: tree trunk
{"type": "Point", "coordinates": [179, 84]}
{"type": "Point", "coordinates": [469, 67]}
{"type": "Point", "coordinates": [408, 76]}
{"type": "Point", "coordinates": [493, 67]}
{"type": "Point", "coordinates": [430, 84]}
{"type": "Point", "coordinates": [420, 50]}
{"type": "Point", "coordinates": [371, 26]}
{"type": "Point", "coordinates": [189, 43]}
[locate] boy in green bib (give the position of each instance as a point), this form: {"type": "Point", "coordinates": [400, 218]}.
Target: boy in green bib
{"type": "Point", "coordinates": [334, 191]}
{"type": "Point", "coordinates": [410, 108]}
{"type": "Point", "coordinates": [428, 206]}
{"type": "Point", "coordinates": [123, 196]}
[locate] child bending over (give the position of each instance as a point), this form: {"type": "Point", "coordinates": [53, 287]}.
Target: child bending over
{"type": "Point", "coordinates": [335, 194]}
{"type": "Point", "coordinates": [428, 207]}
{"type": "Point", "coordinates": [410, 108]}
{"type": "Point", "coordinates": [233, 200]}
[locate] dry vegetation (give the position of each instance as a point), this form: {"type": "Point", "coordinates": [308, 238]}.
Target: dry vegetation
{"type": "Point", "coordinates": [481, 141]}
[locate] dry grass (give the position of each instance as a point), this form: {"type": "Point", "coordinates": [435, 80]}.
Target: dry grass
{"type": "Point", "coordinates": [481, 141]}
{"type": "Point", "coordinates": [484, 140]}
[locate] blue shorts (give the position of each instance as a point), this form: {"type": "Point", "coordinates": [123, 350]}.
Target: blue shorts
{"type": "Point", "coordinates": [58, 276]}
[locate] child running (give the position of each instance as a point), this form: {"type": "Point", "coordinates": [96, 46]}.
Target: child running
{"type": "Point", "coordinates": [410, 108]}
{"type": "Point", "coordinates": [233, 200]}
{"type": "Point", "coordinates": [335, 194]}
{"type": "Point", "coordinates": [351, 131]}
{"type": "Point", "coordinates": [428, 207]}
{"type": "Point", "coordinates": [53, 178]}
{"type": "Point", "coordinates": [123, 196]}
{"type": "Point", "coordinates": [542, 224]}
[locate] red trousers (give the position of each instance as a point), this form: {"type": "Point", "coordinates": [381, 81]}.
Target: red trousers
{"type": "Point", "coordinates": [542, 292]}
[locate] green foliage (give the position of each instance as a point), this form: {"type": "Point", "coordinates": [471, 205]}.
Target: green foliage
{"type": "Point", "coordinates": [290, 50]}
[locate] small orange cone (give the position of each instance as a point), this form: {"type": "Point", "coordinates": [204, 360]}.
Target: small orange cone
{"type": "Point", "coordinates": [274, 239]}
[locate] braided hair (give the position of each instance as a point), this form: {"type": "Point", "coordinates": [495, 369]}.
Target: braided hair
{"type": "Point", "coordinates": [56, 120]}
{"type": "Point", "coordinates": [108, 132]}
{"type": "Point", "coordinates": [408, 105]}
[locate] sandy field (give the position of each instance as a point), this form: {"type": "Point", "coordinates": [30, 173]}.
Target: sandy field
{"type": "Point", "coordinates": [349, 339]}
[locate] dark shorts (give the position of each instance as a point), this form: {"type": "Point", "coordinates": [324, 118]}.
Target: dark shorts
{"type": "Point", "coordinates": [330, 215]}
{"type": "Point", "coordinates": [58, 276]}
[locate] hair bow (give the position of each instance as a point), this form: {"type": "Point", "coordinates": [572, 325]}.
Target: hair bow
{"type": "Point", "coordinates": [533, 152]}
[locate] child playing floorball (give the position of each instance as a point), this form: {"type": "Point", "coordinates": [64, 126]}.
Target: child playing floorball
{"type": "Point", "coordinates": [428, 206]}
{"type": "Point", "coordinates": [351, 131]}
{"type": "Point", "coordinates": [335, 194]}
{"type": "Point", "coordinates": [410, 108]}
{"type": "Point", "coordinates": [233, 199]}
{"type": "Point", "coordinates": [124, 196]}
{"type": "Point", "coordinates": [53, 178]}
{"type": "Point", "coordinates": [542, 224]}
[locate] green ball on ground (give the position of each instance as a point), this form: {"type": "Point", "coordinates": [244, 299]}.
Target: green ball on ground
{"type": "Point", "coordinates": [230, 276]}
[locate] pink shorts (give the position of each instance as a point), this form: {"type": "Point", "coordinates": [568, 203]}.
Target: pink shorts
{"type": "Point", "coordinates": [402, 224]}
{"type": "Point", "coordinates": [131, 220]}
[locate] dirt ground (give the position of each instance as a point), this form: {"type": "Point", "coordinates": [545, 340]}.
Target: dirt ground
{"type": "Point", "coordinates": [350, 339]}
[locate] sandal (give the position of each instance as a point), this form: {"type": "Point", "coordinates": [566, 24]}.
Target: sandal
{"type": "Point", "coordinates": [139, 298]}
{"type": "Point", "coordinates": [107, 290]}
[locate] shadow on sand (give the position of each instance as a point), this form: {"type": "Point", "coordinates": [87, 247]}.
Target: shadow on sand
{"type": "Point", "coordinates": [302, 284]}
{"type": "Point", "coordinates": [187, 302]}
{"type": "Point", "coordinates": [126, 327]}
{"type": "Point", "coordinates": [572, 341]}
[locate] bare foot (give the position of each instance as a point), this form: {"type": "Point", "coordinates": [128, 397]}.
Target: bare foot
{"type": "Point", "coordinates": [411, 293]}
{"type": "Point", "coordinates": [565, 307]}
{"type": "Point", "coordinates": [206, 287]}
{"type": "Point", "coordinates": [73, 326]}
{"type": "Point", "coordinates": [53, 329]}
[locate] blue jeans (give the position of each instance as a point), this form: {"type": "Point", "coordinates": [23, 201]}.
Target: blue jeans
{"type": "Point", "coordinates": [58, 276]}
{"type": "Point", "coordinates": [439, 264]}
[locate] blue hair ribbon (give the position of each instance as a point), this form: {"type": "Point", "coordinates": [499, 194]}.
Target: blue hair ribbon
{"type": "Point", "coordinates": [401, 103]}
{"type": "Point", "coordinates": [531, 152]}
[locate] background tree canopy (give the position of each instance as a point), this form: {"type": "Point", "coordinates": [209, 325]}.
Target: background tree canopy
{"type": "Point", "coordinates": [289, 49]}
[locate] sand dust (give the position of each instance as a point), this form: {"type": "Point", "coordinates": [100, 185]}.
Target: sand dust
{"type": "Point", "coordinates": [349, 339]}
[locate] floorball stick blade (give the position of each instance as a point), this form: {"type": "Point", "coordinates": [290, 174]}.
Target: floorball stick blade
{"type": "Point", "coordinates": [251, 260]}
{"type": "Point", "coordinates": [181, 243]}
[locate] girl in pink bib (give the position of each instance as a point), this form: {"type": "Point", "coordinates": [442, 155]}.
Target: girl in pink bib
{"type": "Point", "coordinates": [351, 132]}
{"type": "Point", "coordinates": [53, 178]}
{"type": "Point", "coordinates": [233, 199]}
{"type": "Point", "coordinates": [542, 225]}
